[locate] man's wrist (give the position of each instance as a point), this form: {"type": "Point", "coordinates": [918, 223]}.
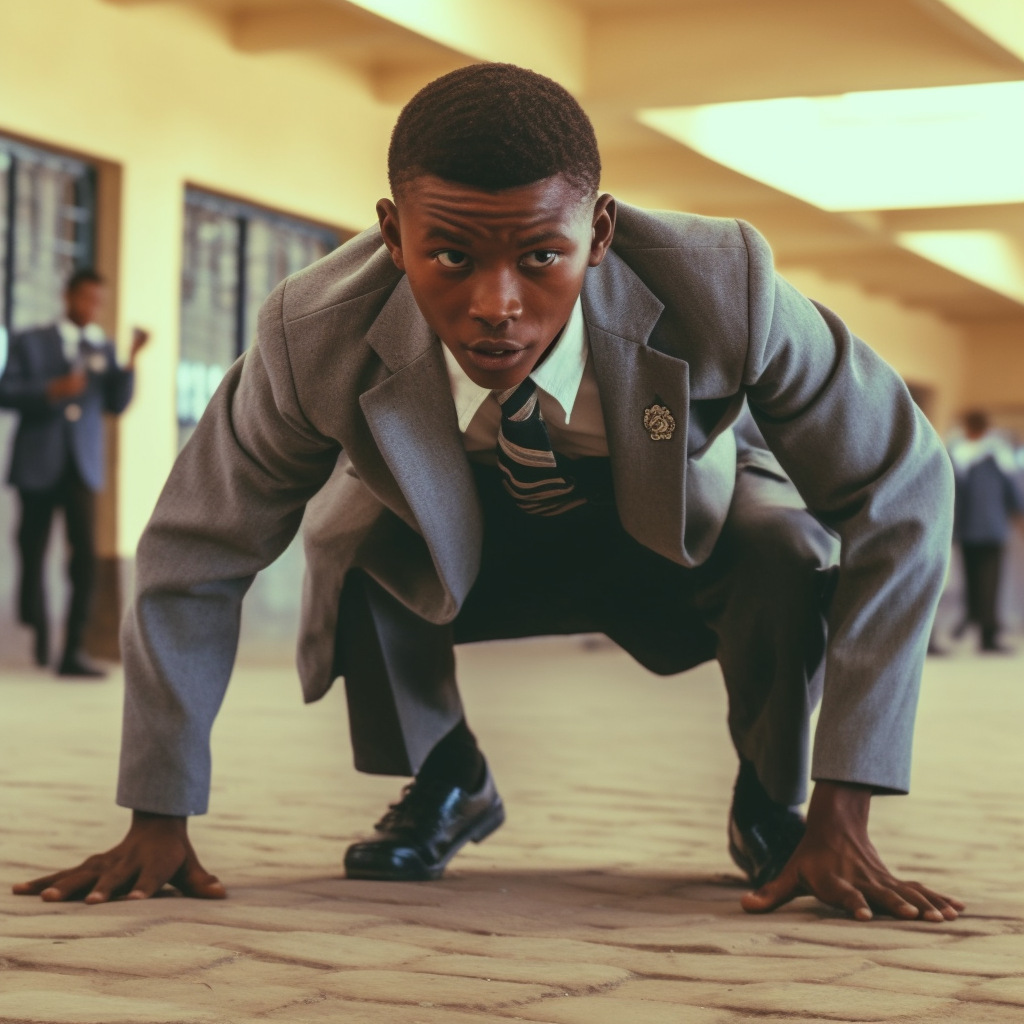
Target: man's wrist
{"type": "Point", "coordinates": [842, 804]}
{"type": "Point", "coordinates": [149, 817]}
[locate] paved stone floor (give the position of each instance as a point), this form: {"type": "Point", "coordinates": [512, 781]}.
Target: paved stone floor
{"type": "Point", "coordinates": [607, 897]}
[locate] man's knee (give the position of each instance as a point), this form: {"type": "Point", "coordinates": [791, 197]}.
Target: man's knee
{"type": "Point", "coordinates": [782, 548]}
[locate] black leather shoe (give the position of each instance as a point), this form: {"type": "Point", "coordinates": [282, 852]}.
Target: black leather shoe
{"type": "Point", "coordinates": [41, 647]}
{"type": "Point", "coordinates": [424, 830]}
{"type": "Point", "coordinates": [762, 833]}
{"type": "Point", "coordinates": [76, 666]}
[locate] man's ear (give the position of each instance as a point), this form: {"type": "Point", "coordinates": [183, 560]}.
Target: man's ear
{"type": "Point", "coordinates": [391, 231]}
{"type": "Point", "coordinates": [603, 229]}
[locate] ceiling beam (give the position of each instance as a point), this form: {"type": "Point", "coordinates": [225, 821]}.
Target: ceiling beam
{"type": "Point", "coordinates": [545, 35]}
{"type": "Point", "coordinates": [752, 49]}
{"type": "Point", "coordinates": [262, 30]}
{"type": "Point", "coordinates": [1000, 23]}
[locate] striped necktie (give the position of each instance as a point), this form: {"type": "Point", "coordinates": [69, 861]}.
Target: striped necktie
{"type": "Point", "coordinates": [525, 456]}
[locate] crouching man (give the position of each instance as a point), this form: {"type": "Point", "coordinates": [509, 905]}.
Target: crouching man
{"type": "Point", "coordinates": [517, 407]}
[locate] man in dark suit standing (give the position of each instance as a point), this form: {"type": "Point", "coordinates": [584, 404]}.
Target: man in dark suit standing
{"type": "Point", "coordinates": [62, 379]}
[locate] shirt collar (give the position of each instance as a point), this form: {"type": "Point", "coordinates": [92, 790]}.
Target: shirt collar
{"type": "Point", "coordinates": [72, 335]}
{"type": "Point", "coordinates": [558, 376]}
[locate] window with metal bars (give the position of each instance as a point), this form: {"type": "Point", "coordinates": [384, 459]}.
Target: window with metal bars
{"type": "Point", "coordinates": [234, 256]}
{"type": "Point", "coordinates": [47, 230]}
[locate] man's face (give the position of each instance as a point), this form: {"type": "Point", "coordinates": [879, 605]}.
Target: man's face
{"type": "Point", "coordinates": [496, 274]}
{"type": "Point", "coordinates": [84, 302]}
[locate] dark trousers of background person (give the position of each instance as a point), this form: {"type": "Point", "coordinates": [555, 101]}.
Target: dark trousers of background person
{"type": "Point", "coordinates": [983, 564]}
{"type": "Point", "coordinates": [758, 605]}
{"type": "Point", "coordinates": [37, 507]}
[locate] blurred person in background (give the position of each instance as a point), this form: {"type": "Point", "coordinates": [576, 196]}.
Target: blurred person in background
{"type": "Point", "coordinates": [987, 497]}
{"type": "Point", "coordinates": [61, 379]}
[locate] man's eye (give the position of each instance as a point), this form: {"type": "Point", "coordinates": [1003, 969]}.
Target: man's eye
{"type": "Point", "coordinates": [540, 258]}
{"type": "Point", "coordinates": [451, 258]}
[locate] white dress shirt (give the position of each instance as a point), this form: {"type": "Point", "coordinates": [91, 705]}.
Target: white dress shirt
{"type": "Point", "coordinates": [966, 453]}
{"type": "Point", "coordinates": [566, 388]}
{"type": "Point", "coordinates": [72, 336]}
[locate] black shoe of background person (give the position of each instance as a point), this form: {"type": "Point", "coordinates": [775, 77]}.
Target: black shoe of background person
{"type": "Point", "coordinates": [41, 646]}
{"type": "Point", "coordinates": [762, 833]}
{"type": "Point", "coordinates": [995, 647]}
{"type": "Point", "coordinates": [77, 666]}
{"type": "Point", "coordinates": [421, 833]}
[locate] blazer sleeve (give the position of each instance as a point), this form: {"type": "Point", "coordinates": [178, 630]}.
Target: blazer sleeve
{"type": "Point", "coordinates": [118, 385]}
{"type": "Point", "coordinates": [231, 504]}
{"type": "Point", "coordinates": [868, 464]}
{"type": "Point", "coordinates": [20, 388]}
{"type": "Point", "coordinates": [1014, 494]}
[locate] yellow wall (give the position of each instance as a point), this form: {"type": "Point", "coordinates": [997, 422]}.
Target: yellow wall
{"type": "Point", "coordinates": [923, 348]}
{"type": "Point", "coordinates": [995, 376]}
{"type": "Point", "coordinates": [159, 91]}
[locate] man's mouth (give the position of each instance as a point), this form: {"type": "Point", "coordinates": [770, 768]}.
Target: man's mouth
{"type": "Point", "coordinates": [495, 355]}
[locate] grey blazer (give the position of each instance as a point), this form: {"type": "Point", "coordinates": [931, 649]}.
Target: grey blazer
{"type": "Point", "coordinates": [52, 434]}
{"type": "Point", "coordinates": [342, 411]}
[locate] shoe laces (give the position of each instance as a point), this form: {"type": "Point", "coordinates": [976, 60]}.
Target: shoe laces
{"type": "Point", "coordinates": [417, 795]}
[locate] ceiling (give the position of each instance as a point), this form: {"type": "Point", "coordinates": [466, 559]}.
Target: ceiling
{"type": "Point", "coordinates": [622, 56]}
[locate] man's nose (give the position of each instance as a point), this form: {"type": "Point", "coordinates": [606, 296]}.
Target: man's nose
{"type": "Point", "coordinates": [496, 299]}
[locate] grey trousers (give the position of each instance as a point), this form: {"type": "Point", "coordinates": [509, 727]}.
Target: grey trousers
{"type": "Point", "coordinates": [758, 605]}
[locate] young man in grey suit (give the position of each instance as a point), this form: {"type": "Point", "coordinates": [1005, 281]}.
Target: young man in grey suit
{"type": "Point", "coordinates": [516, 408]}
{"type": "Point", "coordinates": [61, 380]}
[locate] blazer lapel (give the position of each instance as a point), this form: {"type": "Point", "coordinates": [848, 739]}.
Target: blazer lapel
{"type": "Point", "coordinates": [632, 377]}
{"type": "Point", "coordinates": [412, 418]}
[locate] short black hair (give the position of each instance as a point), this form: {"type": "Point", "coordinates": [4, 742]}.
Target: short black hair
{"type": "Point", "coordinates": [493, 127]}
{"type": "Point", "coordinates": [84, 275]}
{"type": "Point", "coordinates": [976, 420]}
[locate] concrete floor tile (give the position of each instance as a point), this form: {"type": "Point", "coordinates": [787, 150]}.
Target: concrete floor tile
{"type": "Point", "coordinates": [201, 991]}
{"type": "Point", "coordinates": [81, 923]}
{"type": "Point", "coordinates": [997, 990]}
{"type": "Point", "coordinates": [49, 1007]}
{"type": "Point", "coordinates": [961, 959]}
{"type": "Point", "coordinates": [610, 881]}
{"type": "Point", "coordinates": [599, 1010]}
{"type": "Point", "coordinates": [325, 950]}
{"type": "Point", "coordinates": [244, 970]}
{"type": "Point", "coordinates": [466, 993]}
{"type": "Point", "coordinates": [119, 956]}
{"type": "Point", "coordinates": [924, 983]}
{"type": "Point", "coordinates": [331, 1010]}
{"type": "Point", "coordinates": [573, 977]}
{"type": "Point", "coordinates": [829, 1002]}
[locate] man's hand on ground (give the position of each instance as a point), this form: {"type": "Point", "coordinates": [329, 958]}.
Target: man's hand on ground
{"type": "Point", "coordinates": [156, 852]}
{"type": "Point", "coordinates": [837, 862]}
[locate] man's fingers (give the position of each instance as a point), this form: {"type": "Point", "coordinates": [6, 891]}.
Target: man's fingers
{"type": "Point", "coordinates": [943, 902]}
{"type": "Point", "coordinates": [150, 881]}
{"type": "Point", "coordinates": [891, 900]}
{"type": "Point", "coordinates": [783, 889]}
{"type": "Point", "coordinates": [70, 885]}
{"type": "Point", "coordinates": [837, 892]}
{"type": "Point", "coordinates": [37, 885]}
{"type": "Point", "coordinates": [192, 879]}
{"type": "Point", "coordinates": [932, 906]}
{"type": "Point", "coordinates": [113, 882]}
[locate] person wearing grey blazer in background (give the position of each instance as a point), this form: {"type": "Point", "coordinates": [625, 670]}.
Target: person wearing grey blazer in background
{"type": "Point", "coordinates": [518, 407]}
{"type": "Point", "coordinates": [61, 380]}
